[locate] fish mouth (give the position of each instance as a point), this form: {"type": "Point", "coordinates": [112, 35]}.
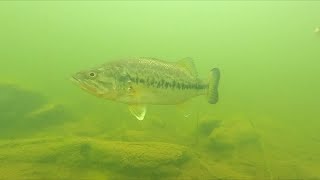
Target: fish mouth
{"type": "Point", "coordinates": [74, 80]}
{"type": "Point", "coordinates": [83, 86]}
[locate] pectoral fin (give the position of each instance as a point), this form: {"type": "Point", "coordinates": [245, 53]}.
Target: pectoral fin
{"type": "Point", "coordinates": [138, 110]}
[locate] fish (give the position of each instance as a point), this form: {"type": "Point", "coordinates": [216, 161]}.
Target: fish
{"type": "Point", "coordinates": [141, 81]}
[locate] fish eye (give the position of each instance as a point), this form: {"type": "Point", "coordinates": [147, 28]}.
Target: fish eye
{"type": "Point", "coordinates": [92, 74]}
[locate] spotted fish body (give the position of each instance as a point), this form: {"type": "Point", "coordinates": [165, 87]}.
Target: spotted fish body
{"type": "Point", "coordinates": [142, 81]}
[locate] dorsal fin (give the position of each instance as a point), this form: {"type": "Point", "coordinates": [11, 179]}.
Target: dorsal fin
{"type": "Point", "coordinates": [188, 64]}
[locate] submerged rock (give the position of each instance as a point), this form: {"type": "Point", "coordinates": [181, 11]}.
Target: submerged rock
{"type": "Point", "coordinates": [119, 155]}
{"type": "Point", "coordinates": [24, 111]}
{"type": "Point", "coordinates": [16, 102]}
{"type": "Point", "coordinates": [234, 134]}
{"type": "Point", "coordinates": [206, 126]}
{"type": "Point", "coordinates": [125, 159]}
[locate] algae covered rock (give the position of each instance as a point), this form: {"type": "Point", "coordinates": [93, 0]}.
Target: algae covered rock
{"type": "Point", "coordinates": [137, 159]}
{"type": "Point", "coordinates": [234, 134]}
{"type": "Point", "coordinates": [120, 155]}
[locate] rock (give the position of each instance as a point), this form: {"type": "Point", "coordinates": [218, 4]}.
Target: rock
{"type": "Point", "coordinates": [23, 112]}
{"type": "Point", "coordinates": [206, 126]}
{"type": "Point", "coordinates": [235, 134]}
{"type": "Point", "coordinates": [16, 102]}
{"type": "Point", "coordinates": [131, 159]}
{"type": "Point", "coordinates": [120, 155]}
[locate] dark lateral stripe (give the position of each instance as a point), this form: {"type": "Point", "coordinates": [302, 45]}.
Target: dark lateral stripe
{"type": "Point", "coordinates": [150, 82]}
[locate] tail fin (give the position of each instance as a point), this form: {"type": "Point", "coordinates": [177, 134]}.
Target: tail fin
{"type": "Point", "coordinates": [212, 94]}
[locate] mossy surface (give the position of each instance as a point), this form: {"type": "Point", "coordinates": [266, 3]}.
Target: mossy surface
{"type": "Point", "coordinates": [40, 139]}
{"type": "Point", "coordinates": [137, 159]}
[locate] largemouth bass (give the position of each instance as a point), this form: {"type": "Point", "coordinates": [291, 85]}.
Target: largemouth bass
{"type": "Point", "coordinates": [141, 81]}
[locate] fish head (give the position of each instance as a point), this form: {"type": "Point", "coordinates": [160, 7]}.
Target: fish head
{"type": "Point", "coordinates": [98, 82]}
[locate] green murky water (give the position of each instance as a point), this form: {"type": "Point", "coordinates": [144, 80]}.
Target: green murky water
{"type": "Point", "coordinates": [265, 126]}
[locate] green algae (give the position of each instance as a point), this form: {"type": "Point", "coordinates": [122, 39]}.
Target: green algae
{"type": "Point", "coordinates": [141, 159]}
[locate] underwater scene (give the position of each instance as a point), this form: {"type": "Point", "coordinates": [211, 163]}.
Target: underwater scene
{"type": "Point", "coordinates": [160, 90]}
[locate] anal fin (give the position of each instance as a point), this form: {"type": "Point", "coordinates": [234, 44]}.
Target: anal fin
{"type": "Point", "coordinates": [138, 110]}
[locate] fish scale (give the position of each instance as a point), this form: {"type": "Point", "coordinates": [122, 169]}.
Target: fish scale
{"type": "Point", "coordinates": [146, 71]}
